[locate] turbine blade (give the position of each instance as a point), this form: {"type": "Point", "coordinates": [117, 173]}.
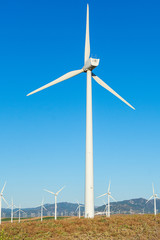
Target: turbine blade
{"type": "Point", "coordinates": [22, 211]}
{"type": "Point", "coordinates": [44, 208]}
{"type": "Point", "coordinates": [16, 211]}
{"type": "Point", "coordinates": [60, 79]}
{"type": "Point", "coordinates": [5, 201]}
{"type": "Point", "coordinates": [48, 191]}
{"type": "Point", "coordinates": [77, 208]}
{"type": "Point", "coordinates": [113, 198]}
{"type": "Point", "coordinates": [102, 195]}
{"type": "Point", "coordinates": [87, 42]}
{"type": "Point", "coordinates": [149, 199]}
{"type": "Point", "coordinates": [3, 188]}
{"type": "Point", "coordinates": [109, 186]}
{"type": "Point", "coordinates": [153, 188]}
{"type": "Point", "coordinates": [60, 190]}
{"type": "Point", "coordinates": [103, 84]}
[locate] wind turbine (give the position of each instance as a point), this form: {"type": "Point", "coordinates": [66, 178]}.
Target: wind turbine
{"type": "Point", "coordinates": [108, 194]}
{"type": "Point", "coordinates": [55, 195]}
{"type": "Point", "coordinates": [106, 208]}
{"type": "Point", "coordinates": [12, 207]}
{"type": "Point", "coordinates": [79, 209]}
{"type": "Point", "coordinates": [19, 210]}
{"type": "Point", "coordinates": [1, 197]}
{"type": "Point", "coordinates": [89, 65]}
{"type": "Point", "coordinates": [42, 207]}
{"type": "Point", "coordinates": [154, 196]}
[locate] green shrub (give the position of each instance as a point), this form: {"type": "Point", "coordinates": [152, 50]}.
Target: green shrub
{"type": "Point", "coordinates": [3, 235]}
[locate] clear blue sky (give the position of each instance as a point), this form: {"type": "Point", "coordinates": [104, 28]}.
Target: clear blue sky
{"type": "Point", "coordinates": [42, 137]}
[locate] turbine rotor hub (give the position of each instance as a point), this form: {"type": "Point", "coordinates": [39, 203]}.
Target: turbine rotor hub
{"type": "Point", "coordinates": [90, 64]}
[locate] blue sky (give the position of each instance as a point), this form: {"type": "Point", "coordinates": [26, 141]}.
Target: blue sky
{"type": "Point", "coordinates": [42, 137]}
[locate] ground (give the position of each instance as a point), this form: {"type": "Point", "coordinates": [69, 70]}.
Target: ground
{"type": "Point", "coordinates": [126, 227]}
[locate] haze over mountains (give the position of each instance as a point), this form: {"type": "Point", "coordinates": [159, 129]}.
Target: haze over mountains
{"type": "Point", "coordinates": [133, 206]}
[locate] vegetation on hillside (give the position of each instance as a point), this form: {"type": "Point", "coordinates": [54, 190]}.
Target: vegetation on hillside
{"type": "Point", "coordinates": [117, 227]}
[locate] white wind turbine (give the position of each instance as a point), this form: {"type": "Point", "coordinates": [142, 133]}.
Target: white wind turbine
{"type": "Point", "coordinates": [89, 65]}
{"type": "Point", "coordinates": [42, 207]}
{"type": "Point", "coordinates": [19, 211]}
{"type": "Point", "coordinates": [12, 206]}
{"type": "Point", "coordinates": [106, 208]}
{"type": "Point", "coordinates": [55, 195]}
{"type": "Point", "coordinates": [1, 197]}
{"type": "Point", "coordinates": [108, 194]}
{"type": "Point", "coordinates": [154, 196]}
{"type": "Point", "coordinates": [79, 209]}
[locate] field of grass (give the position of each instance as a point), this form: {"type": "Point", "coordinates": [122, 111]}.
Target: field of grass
{"type": "Point", "coordinates": [142, 227]}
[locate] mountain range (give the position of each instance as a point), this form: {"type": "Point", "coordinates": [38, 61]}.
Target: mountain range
{"type": "Point", "coordinates": [133, 206]}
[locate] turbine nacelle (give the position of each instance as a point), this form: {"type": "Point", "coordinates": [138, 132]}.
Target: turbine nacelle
{"type": "Point", "coordinates": [90, 64]}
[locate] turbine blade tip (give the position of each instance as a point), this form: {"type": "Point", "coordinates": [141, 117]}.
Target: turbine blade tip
{"type": "Point", "coordinates": [29, 94]}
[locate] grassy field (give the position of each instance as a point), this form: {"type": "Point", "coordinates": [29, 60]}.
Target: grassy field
{"type": "Point", "coordinates": [117, 227]}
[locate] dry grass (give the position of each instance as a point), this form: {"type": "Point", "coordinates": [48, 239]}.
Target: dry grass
{"type": "Point", "coordinates": [128, 227]}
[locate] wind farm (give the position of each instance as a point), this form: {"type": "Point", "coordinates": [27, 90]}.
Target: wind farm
{"type": "Point", "coordinates": [75, 132]}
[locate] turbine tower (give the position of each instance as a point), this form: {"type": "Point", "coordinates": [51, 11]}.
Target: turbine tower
{"type": "Point", "coordinates": [89, 65]}
{"type": "Point", "coordinates": [1, 197]}
{"type": "Point", "coordinates": [154, 196]}
{"type": "Point", "coordinates": [108, 194]}
{"type": "Point", "coordinates": [55, 195]}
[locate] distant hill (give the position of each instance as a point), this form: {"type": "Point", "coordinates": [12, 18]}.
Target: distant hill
{"type": "Point", "coordinates": [133, 206]}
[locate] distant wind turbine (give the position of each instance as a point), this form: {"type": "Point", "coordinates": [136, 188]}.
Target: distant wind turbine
{"type": "Point", "coordinates": [106, 208]}
{"type": "Point", "coordinates": [19, 211]}
{"type": "Point", "coordinates": [1, 197]}
{"type": "Point", "coordinates": [108, 194]}
{"type": "Point", "coordinates": [79, 209]}
{"type": "Point", "coordinates": [154, 196]}
{"type": "Point", "coordinates": [12, 206]}
{"type": "Point", "coordinates": [89, 65]}
{"type": "Point", "coordinates": [55, 195]}
{"type": "Point", "coordinates": [42, 207]}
